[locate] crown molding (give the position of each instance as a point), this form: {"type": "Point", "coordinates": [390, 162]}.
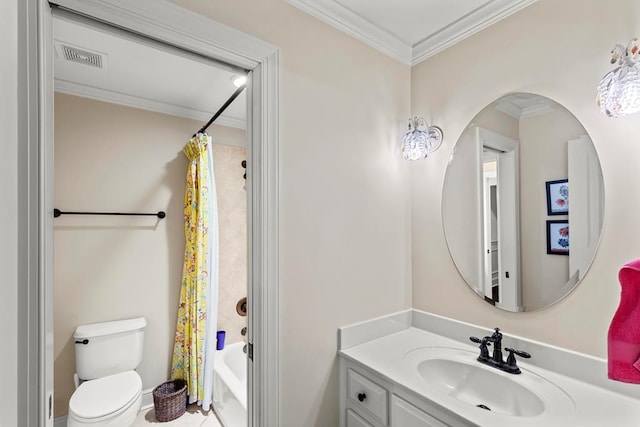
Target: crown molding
{"type": "Point", "coordinates": [509, 108]}
{"type": "Point", "coordinates": [536, 110]}
{"type": "Point", "coordinates": [466, 26]}
{"type": "Point", "coordinates": [353, 24]}
{"type": "Point", "coordinates": [71, 88]}
{"type": "Point", "coordinates": [344, 19]}
{"type": "Point", "coordinates": [517, 112]}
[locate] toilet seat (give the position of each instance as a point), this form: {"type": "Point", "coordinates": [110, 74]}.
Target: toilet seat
{"type": "Point", "coordinates": [105, 397]}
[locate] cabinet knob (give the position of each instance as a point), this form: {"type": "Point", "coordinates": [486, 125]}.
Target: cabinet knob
{"type": "Point", "coordinates": [362, 397]}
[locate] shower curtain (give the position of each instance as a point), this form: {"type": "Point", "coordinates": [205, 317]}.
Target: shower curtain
{"type": "Point", "coordinates": [195, 339]}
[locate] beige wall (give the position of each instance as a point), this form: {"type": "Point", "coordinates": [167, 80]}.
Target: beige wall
{"type": "Point", "coordinates": [498, 122]}
{"type": "Point", "coordinates": [559, 49]}
{"type": "Point", "coordinates": [232, 229]}
{"type": "Point", "coordinates": [344, 202]}
{"type": "Point", "coordinates": [114, 158]}
{"type": "Point", "coordinates": [543, 157]}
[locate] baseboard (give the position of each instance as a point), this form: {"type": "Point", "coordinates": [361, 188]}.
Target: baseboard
{"type": "Point", "coordinates": [147, 402]}
{"type": "Point", "coordinates": [147, 399]}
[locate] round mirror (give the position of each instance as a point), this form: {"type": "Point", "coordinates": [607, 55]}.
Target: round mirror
{"type": "Point", "coordinates": [519, 238]}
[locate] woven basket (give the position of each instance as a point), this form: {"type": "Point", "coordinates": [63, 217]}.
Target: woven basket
{"type": "Point", "coordinates": [170, 400]}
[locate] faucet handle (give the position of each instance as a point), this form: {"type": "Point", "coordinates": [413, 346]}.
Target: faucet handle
{"type": "Point", "coordinates": [511, 365]}
{"type": "Point", "coordinates": [520, 353]}
{"type": "Point", "coordinates": [484, 342]}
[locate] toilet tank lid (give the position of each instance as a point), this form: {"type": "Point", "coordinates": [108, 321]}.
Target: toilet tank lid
{"type": "Point", "coordinates": [108, 328]}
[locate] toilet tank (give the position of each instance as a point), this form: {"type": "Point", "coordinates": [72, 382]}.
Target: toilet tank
{"type": "Point", "coordinates": [108, 348]}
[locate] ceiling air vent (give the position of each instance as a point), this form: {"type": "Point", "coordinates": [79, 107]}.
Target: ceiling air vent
{"type": "Point", "coordinates": [74, 54]}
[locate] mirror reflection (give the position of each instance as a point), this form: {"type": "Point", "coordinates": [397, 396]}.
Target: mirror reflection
{"type": "Point", "coordinates": [507, 208]}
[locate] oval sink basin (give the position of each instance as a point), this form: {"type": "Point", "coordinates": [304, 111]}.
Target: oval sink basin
{"type": "Point", "coordinates": [456, 374]}
{"type": "Point", "coordinates": [481, 387]}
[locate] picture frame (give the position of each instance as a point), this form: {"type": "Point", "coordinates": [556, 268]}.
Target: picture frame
{"type": "Point", "coordinates": [558, 237]}
{"type": "Point", "coordinates": [558, 197]}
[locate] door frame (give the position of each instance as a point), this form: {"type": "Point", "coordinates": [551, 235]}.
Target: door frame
{"type": "Point", "coordinates": [488, 181]}
{"type": "Point", "coordinates": [508, 155]}
{"type": "Point", "coordinates": [190, 31]}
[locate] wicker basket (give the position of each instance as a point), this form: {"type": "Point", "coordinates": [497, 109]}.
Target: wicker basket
{"type": "Point", "coordinates": [170, 400]}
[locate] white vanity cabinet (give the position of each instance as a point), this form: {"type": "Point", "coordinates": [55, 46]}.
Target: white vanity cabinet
{"type": "Point", "coordinates": [416, 369]}
{"type": "Point", "coordinates": [366, 396]}
{"type": "Point", "coordinates": [355, 420]}
{"type": "Point", "coordinates": [406, 415]}
{"type": "Point", "coordinates": [368, 400]}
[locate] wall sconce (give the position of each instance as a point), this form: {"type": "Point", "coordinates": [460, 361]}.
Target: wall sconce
{"type": "Point", "coordinates": [420, 140]}
{"type": "Point", "coordinates": [619, 90]}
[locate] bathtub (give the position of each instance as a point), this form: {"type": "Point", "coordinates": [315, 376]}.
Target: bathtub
{"type": "Point", "coordinates": [230, 386]}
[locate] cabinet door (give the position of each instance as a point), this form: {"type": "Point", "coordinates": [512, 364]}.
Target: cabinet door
{"type": "Point", "coordinates": [355, 420]}
{"type": "Point", "coordinates": [365, 395]}
{"type": "Point", "coordinates": [404, 414]}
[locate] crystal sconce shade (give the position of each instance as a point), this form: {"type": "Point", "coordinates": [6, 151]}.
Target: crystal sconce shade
{"type": "Point", "coordinates": [619, 91]}
{"type": "Point", "coordinates": [420, 140]}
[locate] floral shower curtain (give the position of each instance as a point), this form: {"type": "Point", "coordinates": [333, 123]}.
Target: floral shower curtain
{"type": "Point", "coordinates": [195, 340]}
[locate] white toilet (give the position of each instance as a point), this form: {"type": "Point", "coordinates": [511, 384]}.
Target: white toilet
{"type": "Point", "coordinates": [108, 390]}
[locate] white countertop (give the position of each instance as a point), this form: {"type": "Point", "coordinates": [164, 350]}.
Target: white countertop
{"type": "Point", "coordinates": [594, 406]}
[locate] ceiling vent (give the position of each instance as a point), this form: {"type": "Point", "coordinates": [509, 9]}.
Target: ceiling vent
{"type": "Point", "coordinates": [81, 56]}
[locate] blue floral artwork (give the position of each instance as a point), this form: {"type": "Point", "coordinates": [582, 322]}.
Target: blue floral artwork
{"type": "Point", "coordinates": [558, 197]}
{"type": "Point", "coordinates": [558, 237]}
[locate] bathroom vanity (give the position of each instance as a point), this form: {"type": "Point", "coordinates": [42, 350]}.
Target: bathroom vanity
{"type": "Point", "coordinates": [416, 369]}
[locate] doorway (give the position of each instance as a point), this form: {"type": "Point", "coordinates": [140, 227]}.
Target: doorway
{"type": "Point", "coordinates": [133, 103]}
{"type": "Point", "coordinates": [499, 157]}
{"type": "Point", "coordinates": [491, 220]}
{"type": "Point", "coordinates": [182, 29]}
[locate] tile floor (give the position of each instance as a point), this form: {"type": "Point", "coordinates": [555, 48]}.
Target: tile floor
{"type": "Point", "coordinates": [194, 417]}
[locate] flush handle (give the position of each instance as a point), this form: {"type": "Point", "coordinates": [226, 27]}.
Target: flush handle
{"type": "Point", "coordinates": [84, 341]}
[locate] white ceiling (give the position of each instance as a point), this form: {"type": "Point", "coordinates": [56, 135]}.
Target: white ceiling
{"type": "Point", "coordinates": [410, 30]}
{"type": "Point", "coordinates": [143, 74]}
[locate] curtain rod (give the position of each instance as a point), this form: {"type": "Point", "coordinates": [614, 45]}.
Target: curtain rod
{"type": "Point", "coordinates": [58, 212]}
{"type": "Point", "coordinates": [221, 110]}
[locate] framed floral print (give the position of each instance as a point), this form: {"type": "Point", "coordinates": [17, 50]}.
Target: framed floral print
{"type": "Point", "coordinates": [558, 197]}
{"type": "Point", "coordinates": [558, 237]}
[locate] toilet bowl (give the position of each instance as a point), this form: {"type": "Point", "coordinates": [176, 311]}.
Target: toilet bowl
{"type": "Point", "coordinates": [112, 401]}
{"type": "Point", "coordinates": [109, 390]}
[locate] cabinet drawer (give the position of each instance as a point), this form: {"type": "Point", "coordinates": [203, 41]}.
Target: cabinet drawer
{"type": "Point", "coordinates": [365, 394]}
{"type": "Point", "coordinates": [404, 414]}
{"type": "Point", "coordinates": [355, 420]}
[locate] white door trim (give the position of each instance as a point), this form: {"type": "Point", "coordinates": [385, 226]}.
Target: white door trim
{"type": "Point", "coordinates": [34, 345]}
{"type": "Point", "coordinates": [187, 30]}
{"type": "Point", "coordinates": [509, 217]}
{"type": "Point", "coordinates": [45, 239]}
